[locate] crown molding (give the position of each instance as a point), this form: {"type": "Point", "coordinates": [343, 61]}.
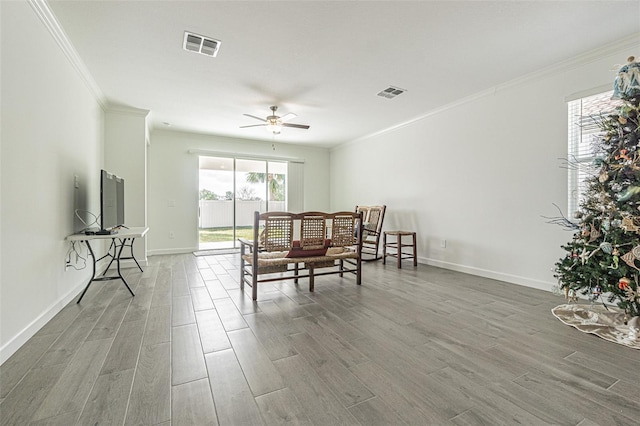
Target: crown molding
{"type": "Point", "coordinates": [125, 110]}
{"type": "Point", "coordinates": [628, 43]}
{"type": "Point", "coordinates": [46, 15]}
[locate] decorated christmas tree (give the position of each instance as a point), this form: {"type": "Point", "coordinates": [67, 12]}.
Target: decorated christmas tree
{"type": "Point", "coordinates": [603, 258]}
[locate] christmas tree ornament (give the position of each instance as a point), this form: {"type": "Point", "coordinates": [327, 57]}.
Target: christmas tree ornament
{"type": "Point", "coordinates": [604, 176]}
{"type": "Point", "coordinates": [616, 258]}
{"type": "Point", "coordinates": [629, 193]}
{"type": "Point", "coordinates": [606, 247]}
{"type": "Point", "coordinates": [627, 82]}
{"type": "Point", "coordinates": [629, 258]}
{"type": "Point", "coordinates": [570, 295]}
{"type": "Point", "coordinates": [597, 290]}
{"type": "Point", "coordinates": [636, 251]}
{"type": "Point", "coordinates": [594, 234]}
{"type": "Point", "coordinates": [585, 255]}
{"type": "Point", "coordinates": [624, 283]}
{"type": "Point", "coordinates": [631, 295]}
{"type": "Point", "coordinates": [623, 152]}
{"type": "Point", "coordinates": [616, 263]}
{"type": "Point", "coordinates": [628, 225]}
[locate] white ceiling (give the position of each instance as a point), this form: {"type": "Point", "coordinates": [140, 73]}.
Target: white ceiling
{"type": "Point", "coordinates": [325, 60]}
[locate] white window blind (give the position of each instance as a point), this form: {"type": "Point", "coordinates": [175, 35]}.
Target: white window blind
{"type": "Point", "coordinates": [585, 132]}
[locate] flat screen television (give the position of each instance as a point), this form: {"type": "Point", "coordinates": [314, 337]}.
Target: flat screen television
{"type": "Point", "coordinates": [111, 202]}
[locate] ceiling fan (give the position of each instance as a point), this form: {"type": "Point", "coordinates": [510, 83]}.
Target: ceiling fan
{"type": "Point", "coordinates": [275, 123]}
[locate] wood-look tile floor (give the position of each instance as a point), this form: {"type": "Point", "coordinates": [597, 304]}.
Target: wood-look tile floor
{"type": "Point", "coordinates": [416, 346]}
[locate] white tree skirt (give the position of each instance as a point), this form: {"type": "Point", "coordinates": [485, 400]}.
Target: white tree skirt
{"type": "Point", "coordinates": [605, 323]}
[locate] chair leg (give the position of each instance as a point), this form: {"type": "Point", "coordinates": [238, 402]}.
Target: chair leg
{"type": "Point", "coordinates": [254, 283]}
{"type": "Point", "coordinates": [415, 252]}
{"type": "Point", "coordinates": [384, 249]}
{"type": "Point", "coordinates": [311, 278]}
{"type": "Point", "coordinates": [241, 269]}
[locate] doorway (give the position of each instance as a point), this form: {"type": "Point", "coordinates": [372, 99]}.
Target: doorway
{"type": "Point", "coordinates": [230, 191]}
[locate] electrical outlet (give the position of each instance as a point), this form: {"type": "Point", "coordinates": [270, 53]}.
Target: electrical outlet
{"type": "Point", "coordinates": [443, 243]}
{"type": "Point", "coordinates": [171, 235]}
{"type": "Point", "coordinates": [76, 181]}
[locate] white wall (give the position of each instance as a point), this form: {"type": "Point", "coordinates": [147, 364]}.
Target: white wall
{"type": "Point", "coordinates": [125, 155]}
{"type": "Point", "coordinates": [52, 129]}
{"type": "Point", "coordinates": [173, 180]}
{"type": "Point", "coordinates": [479, 174]}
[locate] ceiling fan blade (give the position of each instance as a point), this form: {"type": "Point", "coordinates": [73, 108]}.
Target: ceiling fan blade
{"type": "Point", "coordinates": [257, 118]}
{"type": "Point", "coordinates": [253, 125]}
{"type": "Point", "coordinates": [297, 126]}
{"type": "Point", "coordinates": [288, 116]}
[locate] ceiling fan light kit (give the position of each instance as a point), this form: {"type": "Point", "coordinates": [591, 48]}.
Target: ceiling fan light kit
{"type": "Point", "coordinates": [274, 127]}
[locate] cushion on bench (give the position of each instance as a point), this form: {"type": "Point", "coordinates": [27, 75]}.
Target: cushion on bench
{"type": "Point", "coordinates": [297, 251]}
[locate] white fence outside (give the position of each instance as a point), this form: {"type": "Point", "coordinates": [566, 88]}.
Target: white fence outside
{"type": "Point", "coordinates": [219, 213]}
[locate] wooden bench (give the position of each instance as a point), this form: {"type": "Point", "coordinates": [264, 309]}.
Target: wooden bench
{"type": "Point", "coordinates": [283, 241]}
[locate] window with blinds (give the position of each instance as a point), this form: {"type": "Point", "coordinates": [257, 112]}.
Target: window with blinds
{"type": "Point", "coordinates": [585, 133]}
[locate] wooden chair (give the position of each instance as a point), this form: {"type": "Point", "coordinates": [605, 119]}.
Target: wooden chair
{"type": "Point", "coordinates": [372, 218]}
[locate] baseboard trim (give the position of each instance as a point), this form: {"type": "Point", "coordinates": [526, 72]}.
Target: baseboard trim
{"type": "Point", "coordinates": [159, 252]}
{"type": "Point", "coordinates": [486, 273]}
{"type": "Point", "coordinates": [130, 263]}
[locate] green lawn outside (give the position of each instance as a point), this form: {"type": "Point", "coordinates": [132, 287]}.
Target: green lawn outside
{"type": "Point", "coordinates": [217, 235]}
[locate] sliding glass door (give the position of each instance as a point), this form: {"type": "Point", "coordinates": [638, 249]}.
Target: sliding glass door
{"type": "Point", "coordinates": [231, 190]}
{"type": "Point", "coordinates": [216, 203]}
{"type": "Point", "coordinates": [277, 183]}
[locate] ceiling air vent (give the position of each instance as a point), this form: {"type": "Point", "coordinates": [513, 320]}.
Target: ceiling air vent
{"type": "Point", "coordinates": [391, 92]}
{"type": "Point", "coordinates": [200, 44]}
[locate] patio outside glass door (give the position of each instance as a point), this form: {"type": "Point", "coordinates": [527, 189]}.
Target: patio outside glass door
{"type": "Point", "coordinates": [251, 194]}
{"type": "Point", "coordinates": [216, 203]}
{"type": "Point", "coordinates": [231, 190]}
